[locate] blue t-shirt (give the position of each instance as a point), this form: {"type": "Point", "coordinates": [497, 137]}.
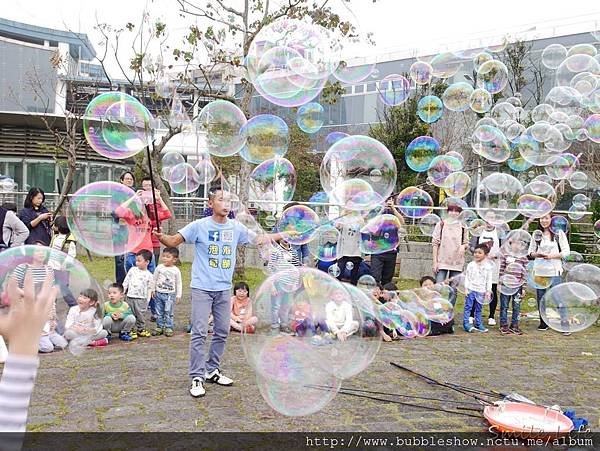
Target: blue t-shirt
{"type": "Point", "coordinates": [214, 262]}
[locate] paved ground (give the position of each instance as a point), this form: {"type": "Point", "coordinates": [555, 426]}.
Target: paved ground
{"type": "Point", "coordinates": [142, 386]}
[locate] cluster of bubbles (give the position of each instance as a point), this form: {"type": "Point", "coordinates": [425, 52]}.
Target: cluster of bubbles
{"type": "Point", "coordinates": [289, 63]}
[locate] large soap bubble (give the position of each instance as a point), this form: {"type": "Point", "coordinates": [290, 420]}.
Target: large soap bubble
{"type": "Point", "coordinates": [267, 136]}
{"type": "Point", "coordinates": [222, 123]}
{"type": "Point", "coordinates": [414, 202]}
{"type": "Point", "coordinates": [457, 96]}
{"type": "Point", "coordinates": [420, 153]}
{"type": "Point", "coordinates": [298, 224]}
{"type": "Point", "coordinates": [381, 234]}
{"type": "Point", "coordinates": [107, 218]}
{"type": "Point", "coordinates": [492, 76]}
{"type": "Point", "coordinates": [273, 180]}
{"type": "Point", "coordinates": [430, 109]}
{"type": "Point", "coordinates": [363, 164]}
{"type": "Point", "coordinates": [289, 61]}
{"type": "Point", "coordinates": [313, 310]}
{"type": "Point", "coordinates": [570, 307]}
{"type": "Point", "coordinates": [310, 117]}
{"type": "Point", "coordinates": [117, 125]}
{"type": "Point", "coordinates": [394, 90]}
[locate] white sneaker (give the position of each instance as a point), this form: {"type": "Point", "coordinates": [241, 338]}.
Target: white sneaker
{"type": "Point", "coordinates": [470, 320]}
{"type": "Point", "coordinates": [491, 322]}
{"type": "Point", "coordinates": [216, 377]}
{"type": "Point", "coordinates": [197, 389]}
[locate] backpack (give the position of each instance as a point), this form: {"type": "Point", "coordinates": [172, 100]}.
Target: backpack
{"type": "Point", "coordinates": [442, 231]}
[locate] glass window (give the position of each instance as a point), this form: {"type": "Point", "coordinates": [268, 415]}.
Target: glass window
{"type": "Point", "coordinates": [78, 179]}
{"type": "Point", "coordinates": [41, 175]}
{"type": "Point", "coordinates": [359, 89]}
{"type": "Point", "coordinates": [98, 173]}
{"type": "Point", "coordinates": [15, 171]}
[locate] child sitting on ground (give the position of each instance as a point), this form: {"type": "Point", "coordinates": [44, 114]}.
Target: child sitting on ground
{"type": "Point", "coordinates": [85, 320]}
{"type": "Point", "coordinates": [118, 316]}
{"type": "Point", "coordinates": [339, 320]}
{"type": "Point", "coordinates": [304, 321]}
{"type": "Point", "coordinates": [168, 290]}
{"type": "Point", "coordinates": [139, 285]}
{"type": "Point", "coordinates": [478, 283]}
{"type": "Point", "coordinates": [241, 309]}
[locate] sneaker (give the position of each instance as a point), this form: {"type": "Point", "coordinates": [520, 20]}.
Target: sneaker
{"type": "Point", "coordinates": [471, 320]}
{"type": "Point", "coordinates": [481, 329]}
{"type": "Point", "coordinates": [216, 377]}
{"type": "Point", "coordinates": [470, 329]}
{"type": "Point", "coordinates": [515, 330]}
{"type": "Point", "coordinates": [168, 332]}
{"type": "Point", "coordinates": [504, 329]}
{"type": "Point", "coordinates": [317, 340]}
{"type": "Point", "coordinates": [109, 337]}
{"type": "Point", "coordinates": [157, 331]}
{"type": "Point", "coordinates": [250, 329]}
{"type": "Point", "coordinates": [491, 322]}
{"type": "Point", "coordinates": [189, 329]}
{"type": "Point", "coordinates": [153, 318]}
{"type": "Point", "coordinates": [197, 389]}
{"type": "Point", "coordinates": [125, 336]}
{"type": "Point", "coordinates": [98, 343]}
{"type": "Point", "coordinates": [540, 327]}
{"type": "Point", "coordinates": [143, 333]}
{"type": "Point", "coordinates": [133, 334]}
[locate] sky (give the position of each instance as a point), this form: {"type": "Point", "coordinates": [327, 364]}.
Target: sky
{"type": "Point", "coordinates": [398, 26]}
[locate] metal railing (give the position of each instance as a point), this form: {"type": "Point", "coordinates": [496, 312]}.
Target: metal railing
{"type": "Point", "coordinates": [187, 209]}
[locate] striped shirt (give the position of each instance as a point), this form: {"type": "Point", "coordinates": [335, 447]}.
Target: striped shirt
{"type": "Point", "coordinates": [38, 273]}
{"type": "Point", "coordinates": [16, 387]}
{"type": "Point", "coordinates": [285, 261]}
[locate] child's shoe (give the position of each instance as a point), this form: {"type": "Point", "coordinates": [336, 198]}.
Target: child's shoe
{"type": "Point", "coordinates": [470, 329]}
{"type": "Point", "coordinates": [153, 318]}
{"type": "Point", "coordinates": [481, 329]}
{"type": "Point", "coordinates": [125, 336]}
{"type": "Point", "coordinates": [133, 334]}
{"type": "Point", "coordinates": [98, 343]}
{"type": "Point", "coordinates": [168, 332]}
{"type": "Point", "coordinates": [504, 329]}
{"type": "Point", "coordinates": [250, 329]}
{"type": "Point", "coordinates": [143, 333]}
{"type": "Point", "coordinates": [157, 331]}
{"type": "Point", "coordinates": [189, 329]}
{"type": "Point", "coordinates": [109, 337]}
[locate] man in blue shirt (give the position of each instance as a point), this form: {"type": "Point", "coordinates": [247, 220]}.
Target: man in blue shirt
{"type": "Point", "coordinates": [215, 238]}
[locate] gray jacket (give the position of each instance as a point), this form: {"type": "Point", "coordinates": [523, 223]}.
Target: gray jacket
{"type": "Point", "coordinates": [14, 232]}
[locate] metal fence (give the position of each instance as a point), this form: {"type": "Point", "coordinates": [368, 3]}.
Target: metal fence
{"type": "Point", "coordinates": [187, 209]}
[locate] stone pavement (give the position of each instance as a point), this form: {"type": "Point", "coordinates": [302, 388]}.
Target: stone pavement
{"type": "Point", "coordinates": [142, 386]}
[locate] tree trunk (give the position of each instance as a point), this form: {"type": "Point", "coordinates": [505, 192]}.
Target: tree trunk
{"type": "Point", "coordinates": [68, 183]}
{"type": "Point", "coordinates": [244, 185]}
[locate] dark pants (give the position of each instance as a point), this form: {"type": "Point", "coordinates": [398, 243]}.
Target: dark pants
{"type": "Point", "coordinates": [120, 272]}
{"type": "Point", "coordinates": [493, 302]}
{"type": "Point", "coordinates": [383, 267]}
{"type": "Point", "coordinates": [354, 272]}
{"type": "Point", "coordinates": [309, 327]}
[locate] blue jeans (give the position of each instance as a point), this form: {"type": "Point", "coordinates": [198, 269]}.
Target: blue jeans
{"type": "Point", "coordinates": [203, 303]}
{"type": "Point", "coordinates": [505, 300]}
{"type": "Point", "coordinates": [130, 263]}
{"type": "Point", "coordinates": [444, 274]}
{"type": "Point", "coordinates": [473, 301]}
{"type": "Point", "coordinates": [540, 294]}
{"type": "Point", "coordinates": [164, 309]}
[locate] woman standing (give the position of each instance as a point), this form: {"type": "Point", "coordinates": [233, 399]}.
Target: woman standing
{"type": "Point", "coordinates": [548, 249]}
{"type": "Point", "coordinates": [127, 179]}
{"type": "Point", "coordinates": [36, 217]}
